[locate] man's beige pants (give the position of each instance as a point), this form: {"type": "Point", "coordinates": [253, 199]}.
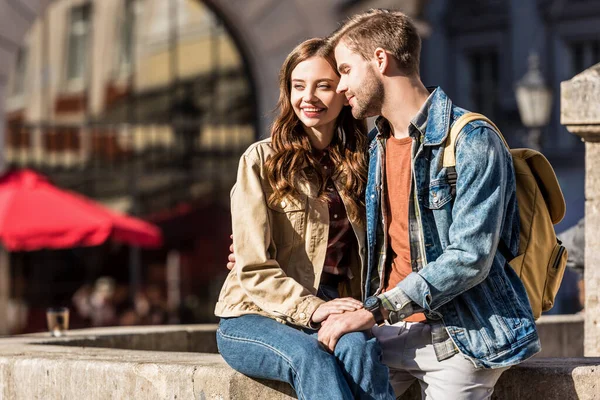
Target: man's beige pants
{"type": "Point", "coordinates": [408, 352]}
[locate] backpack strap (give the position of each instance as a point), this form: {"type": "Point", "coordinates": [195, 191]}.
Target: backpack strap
{"type": "Point", "coordinates": [455, 130]}
{"type": "Point", "coordinates": [449, 159]}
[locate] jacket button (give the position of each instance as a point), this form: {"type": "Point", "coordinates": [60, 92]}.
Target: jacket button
{"type": "Point", "coordinates": [302, 315]}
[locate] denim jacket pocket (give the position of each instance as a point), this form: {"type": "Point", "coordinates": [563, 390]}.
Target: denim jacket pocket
{"type": "Point", "coordinates": [438, 195]}
{"type": "Point", "coordinates": [288, 220]}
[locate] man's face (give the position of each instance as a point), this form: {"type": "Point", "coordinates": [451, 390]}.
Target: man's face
{"type": "Point", "coordinates": [359, 82]}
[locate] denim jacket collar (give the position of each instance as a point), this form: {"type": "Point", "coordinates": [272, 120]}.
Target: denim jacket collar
{"type": "Point", "coordinates": [432, 120]}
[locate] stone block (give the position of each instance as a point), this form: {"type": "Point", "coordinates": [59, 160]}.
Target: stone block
{"type": "Point", "coordinates": [579, 110]}
{"type": "Point", "coordinates": [548, 379]}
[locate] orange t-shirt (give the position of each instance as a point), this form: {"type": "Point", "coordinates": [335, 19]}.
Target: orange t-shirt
{"type": "Point", "coordinates": [398, 180]}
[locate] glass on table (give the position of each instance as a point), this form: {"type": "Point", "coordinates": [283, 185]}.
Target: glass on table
{"type": "Point", "coordinates": [58, 320]}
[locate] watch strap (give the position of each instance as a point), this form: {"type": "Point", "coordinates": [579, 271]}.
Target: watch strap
{"type": "Point", "coordinates": [378, 315]}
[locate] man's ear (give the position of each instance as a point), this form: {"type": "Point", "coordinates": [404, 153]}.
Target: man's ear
{"type": "Point", "coordinates": [382, 60]}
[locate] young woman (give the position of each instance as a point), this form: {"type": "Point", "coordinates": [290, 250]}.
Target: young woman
{"type": "Point", "coordinates": [298, 228]}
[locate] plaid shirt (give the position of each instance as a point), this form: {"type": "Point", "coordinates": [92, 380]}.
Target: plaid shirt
{"type": "Point", "coordinates": [395, 300]}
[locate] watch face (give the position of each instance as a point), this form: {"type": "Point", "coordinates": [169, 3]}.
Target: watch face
{"type": "Point", "coordinates": [371, 302]}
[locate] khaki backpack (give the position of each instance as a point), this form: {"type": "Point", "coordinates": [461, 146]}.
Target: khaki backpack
{"type": "Point", "coordinates": [542, 259]}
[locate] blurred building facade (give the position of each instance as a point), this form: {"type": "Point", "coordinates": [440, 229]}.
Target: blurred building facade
{"type": "Point", "coordinates": [478, 51]}
{"type": "Point", "coordinates": [128, 100]}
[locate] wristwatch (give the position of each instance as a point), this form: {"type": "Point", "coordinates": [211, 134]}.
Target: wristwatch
{"type": "Point", "coordinates": [373, 304]}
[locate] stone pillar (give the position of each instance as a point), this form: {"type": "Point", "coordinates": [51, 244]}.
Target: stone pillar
{"type": "Point", "coordinates": [580, 113]}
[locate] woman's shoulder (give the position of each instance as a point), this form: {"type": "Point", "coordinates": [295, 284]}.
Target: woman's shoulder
{"type": "Point", "coordinates": [260, 150]}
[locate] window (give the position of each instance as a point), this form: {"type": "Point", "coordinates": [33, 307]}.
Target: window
{"type": "Point", "coordinates": [77, 50]}
{"type": "Point", "coordinates": [20, 72]}
{"type": "Point", "coordinates": [484, 81]}
{"type": "Point", "coordinates": [127, 37]}
{"type": "Point", "coordinates": [584, 54]}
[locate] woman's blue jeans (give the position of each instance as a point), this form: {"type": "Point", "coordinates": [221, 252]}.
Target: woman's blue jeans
{"type": "Point", "coordinates": [261, 347]}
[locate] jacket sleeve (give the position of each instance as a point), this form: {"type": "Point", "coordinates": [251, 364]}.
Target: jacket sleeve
{"type": "Point", "coordinates": [482, 164]}
{"type": "Point", "coordinates": [259, 273]}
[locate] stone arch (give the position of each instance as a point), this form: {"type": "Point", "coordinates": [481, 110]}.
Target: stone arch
{"type": "Point", "coordinates": [265, 31]}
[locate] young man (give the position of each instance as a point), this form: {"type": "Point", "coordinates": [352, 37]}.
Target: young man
{"type": "Point", "coordinates": [459, 315]}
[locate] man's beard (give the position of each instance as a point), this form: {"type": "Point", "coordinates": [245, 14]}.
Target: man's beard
{"type": "Point", "coordinates": [369, 98]}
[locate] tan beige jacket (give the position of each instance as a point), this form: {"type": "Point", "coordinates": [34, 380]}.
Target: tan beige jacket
{"type": "Point", "coordinates": [280, 250]}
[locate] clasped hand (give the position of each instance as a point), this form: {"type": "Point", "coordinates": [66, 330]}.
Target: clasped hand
{"type": "Point", "coordinates": [338, 317]}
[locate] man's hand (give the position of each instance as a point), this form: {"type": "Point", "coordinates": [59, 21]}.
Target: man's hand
{"type": "Point", "coordinates": [335, 326]}
{"type": "Point", "coordinates": [336, 306]}
{"type": "Point", "coordinates": [231, 257]}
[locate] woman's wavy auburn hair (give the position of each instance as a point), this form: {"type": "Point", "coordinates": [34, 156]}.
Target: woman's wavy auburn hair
{"type": "Point", "coordinates": [294, 153]}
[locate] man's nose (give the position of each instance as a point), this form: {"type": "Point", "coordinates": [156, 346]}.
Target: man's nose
{"type": "Point", "coordinates": [341, 87]}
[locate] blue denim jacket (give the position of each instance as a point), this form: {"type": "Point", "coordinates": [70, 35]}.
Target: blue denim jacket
{"type": "Point", "coordinates": [464, 281]}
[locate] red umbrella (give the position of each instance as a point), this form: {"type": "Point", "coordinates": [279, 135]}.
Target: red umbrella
{"type": "Point", "coordinates": [34, 214]}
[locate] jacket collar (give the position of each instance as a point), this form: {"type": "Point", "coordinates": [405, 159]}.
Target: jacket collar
{"type": "Point", "coordinates": [438, 123]}
{"type": "Point", "coordinates": [433, 120]}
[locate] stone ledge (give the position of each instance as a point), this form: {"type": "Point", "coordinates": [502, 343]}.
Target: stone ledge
{"type": "Point", "coordinates": [39, 367]}
{"type": "Point", "coordinates": [181, 338]}
{"type": "Point", "coordinates": [561, 335]}
{"type": "Point", "coordinates": [579, 98]}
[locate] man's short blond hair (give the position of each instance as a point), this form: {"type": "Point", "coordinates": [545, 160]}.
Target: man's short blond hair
{"type": "Point", "coordinates": [393, 31]}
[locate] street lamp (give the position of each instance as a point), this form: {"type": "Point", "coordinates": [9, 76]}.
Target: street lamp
{"type": "Point", "coordinates": [534, 100]}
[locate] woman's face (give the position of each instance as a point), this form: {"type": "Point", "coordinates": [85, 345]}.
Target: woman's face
{"type": "Point", "coordinates": [313, 94]}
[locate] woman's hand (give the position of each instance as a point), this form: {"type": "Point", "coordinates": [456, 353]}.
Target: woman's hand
{"type": "Point", "coordinates": [231, 257]}
{"type": "Point", "coordinates": [336, 306]}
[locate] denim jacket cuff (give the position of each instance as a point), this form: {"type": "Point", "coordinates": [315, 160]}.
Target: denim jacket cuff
{"type": "Point", "coordinates": [398, 304]}
{"type": "Point", "coordinates": [417, 289]}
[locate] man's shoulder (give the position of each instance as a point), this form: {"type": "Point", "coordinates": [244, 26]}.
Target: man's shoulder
{"type": "Point", "coordinates": [477, 125]}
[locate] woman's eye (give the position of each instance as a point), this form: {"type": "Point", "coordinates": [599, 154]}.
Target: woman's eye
{"type": "Point", "coordinates": [324, 86]}
{"type": "Point", "coordinates": [298, 87]}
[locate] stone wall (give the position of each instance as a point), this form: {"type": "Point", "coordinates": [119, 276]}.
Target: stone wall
{"type": "Point", "coordinates": [178, 362]}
